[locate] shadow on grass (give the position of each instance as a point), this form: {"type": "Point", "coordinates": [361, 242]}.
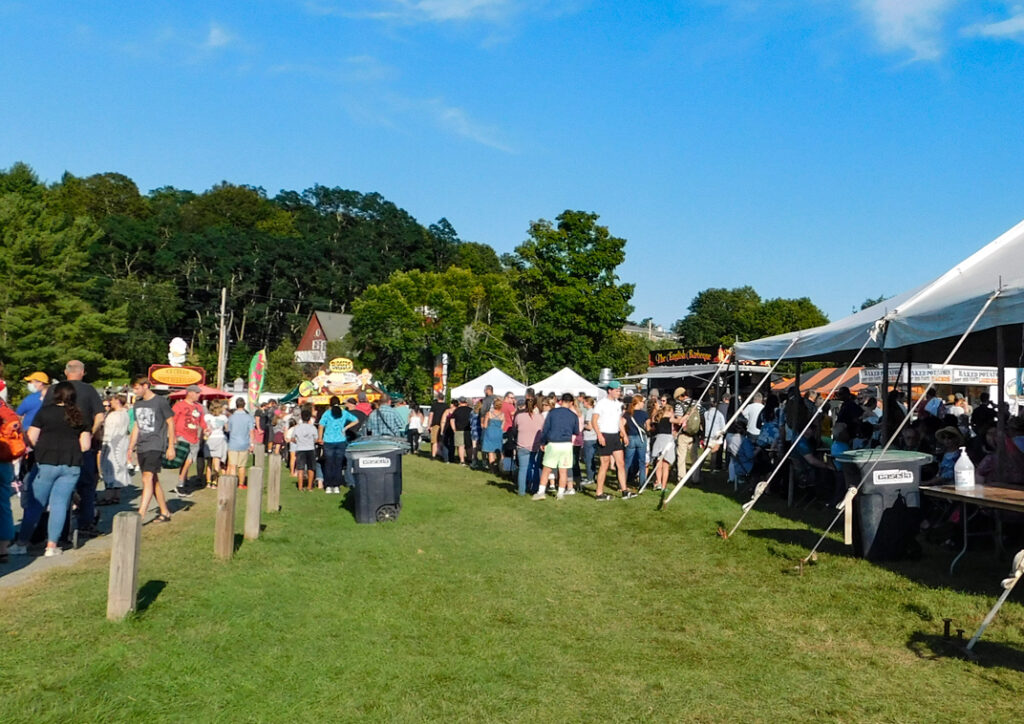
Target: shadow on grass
{"type": "Point", "coordinates": [985, 653]}
{"type": "Point", "coordinates": [804, 538]}
{"type": "Point", "coordinates": [148, 593]}
{"type": "Point", "coordinates": [239, 538]}
{"type": "Point", "coordinates": [505, 485]}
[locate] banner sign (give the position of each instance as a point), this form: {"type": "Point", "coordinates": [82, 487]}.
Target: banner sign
{"type": "Point", "coordinates": [441, 375]}
{"type": "Point", "coordinates": [684, 356]}
{"type": "Point", "coordinates": [257, 370]}
{"type": "Point", "coordinates": [176, 376]}
{"type": "Point", "coordinates": [922, 375]}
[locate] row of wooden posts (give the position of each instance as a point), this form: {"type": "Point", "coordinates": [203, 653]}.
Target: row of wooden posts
{"type": "Point", "coordinates": [122, 587]}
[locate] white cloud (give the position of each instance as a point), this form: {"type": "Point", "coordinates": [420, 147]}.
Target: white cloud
{"type": "Point", "coordinates": [456, 120]}
{"type": "Point", "coordinates": [1012, 27]}
{"type": "Point", "coordinates": [428, 11]}
{"type": "Point", "coordinates": [914, 25]}
{"type": "Point", "coordinates": [218, 37]}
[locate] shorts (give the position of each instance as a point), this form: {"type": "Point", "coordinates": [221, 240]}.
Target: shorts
{"type": "Point", "coordinates": [150, 461]}
{"type": "Point", "coordinates": [193, 450]}
{"type": "Point", "coordinates": [612, 443]}
{"type": "Point", "coordinates": [216, 448]}
{"type": "Point", "coordinates": [665, 447]}
{"type": "Point", "coordinates": [434, 433]}
{"type": "Point", "coordinates": [305, 459]}
{"type": "Point", "coordinates": [238, 458]}
{"type": "Point", "coordinates": [558, 455]}
{"type": "Point", "coordinates": [463, 438]}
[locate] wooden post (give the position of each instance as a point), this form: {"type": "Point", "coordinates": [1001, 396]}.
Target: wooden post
{"type": "Point", "coordinates": [274, 484]}
{"type": "Point", "coordinates": [224, 532]}
{"type": "Point", "coordinates": [253, 503]}
{"type": "Point", "coordinates": [259, 455]}
{"type": "Point", "coordinates": [122, 588]}
{"type": "Point", "coordinates": [848, 521]}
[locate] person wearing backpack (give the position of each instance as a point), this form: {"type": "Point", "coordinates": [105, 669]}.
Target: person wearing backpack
{"type": "Point", "coordinates": [12, 448]}
{"type": "Point", "coordinates": [686, 415]}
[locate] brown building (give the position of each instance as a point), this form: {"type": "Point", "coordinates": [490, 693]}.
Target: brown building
{"type": "Point", "coordinates": [323, 327]}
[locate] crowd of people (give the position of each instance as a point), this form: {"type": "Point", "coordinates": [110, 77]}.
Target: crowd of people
{"type": "Point", "coordinates": [548, 444]}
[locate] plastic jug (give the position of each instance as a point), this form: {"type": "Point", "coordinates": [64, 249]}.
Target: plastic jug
{"type": "Point", "coordinates": [963, 472]}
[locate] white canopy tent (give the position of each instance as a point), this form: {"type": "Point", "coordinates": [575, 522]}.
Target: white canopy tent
{"type": "Point", "coordinates": [924, 323]}
{"type": "Point", "coordinates": [565, 380]}
{"type": "Point", "coordinates": [494, 377]}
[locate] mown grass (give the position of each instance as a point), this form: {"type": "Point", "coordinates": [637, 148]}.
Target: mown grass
{"type": "Point", "coordinates": [481, 606]}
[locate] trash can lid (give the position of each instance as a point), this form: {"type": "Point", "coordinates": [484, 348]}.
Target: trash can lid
{"type": "Point", "coordinates": [373, 447]}
{"type": "Point", "coordinates": [861, 457]}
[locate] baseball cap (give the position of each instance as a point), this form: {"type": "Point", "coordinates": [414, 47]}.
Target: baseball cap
{"type": "Point", "coordinates": [614, 385]}
{"type": "Point", "coordinates": [193, 388]}
{"type": "Point", "coordinates": [38, 377]}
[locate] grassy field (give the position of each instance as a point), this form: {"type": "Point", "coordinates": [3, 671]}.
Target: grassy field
{"type": "Point", "coordinates": [478, 605]}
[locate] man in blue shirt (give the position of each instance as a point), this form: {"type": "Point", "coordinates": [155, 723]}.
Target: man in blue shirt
{"type": "Point", "coordinates": [241, 429]}
{"type": "Point", "coordinates": [560, 427]}
{"type": "Point", "coordinates": [37, 383]}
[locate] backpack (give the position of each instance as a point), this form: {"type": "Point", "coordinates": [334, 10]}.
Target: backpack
{"type": "Point", "coordinates": [12, 441]}
{"type": "Point", "coordinates": [691, 422]}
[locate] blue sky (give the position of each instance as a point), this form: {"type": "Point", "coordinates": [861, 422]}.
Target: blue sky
{"type": "Point", "coordinates": [835, 149]}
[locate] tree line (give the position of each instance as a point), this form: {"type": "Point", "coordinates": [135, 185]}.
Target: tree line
{"type": "Point", "coordinates": [93, 269]}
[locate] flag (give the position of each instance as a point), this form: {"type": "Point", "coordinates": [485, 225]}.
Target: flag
{"type": "Point", "coordinates": [441, 375]}
{"type": "Point", "coordinates": [257, 370]}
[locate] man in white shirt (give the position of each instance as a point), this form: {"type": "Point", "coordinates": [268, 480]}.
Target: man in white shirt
{"type": "Point", "coordinates": [752, 413]}
{"type": "Point", "coordinates": [610, 426]}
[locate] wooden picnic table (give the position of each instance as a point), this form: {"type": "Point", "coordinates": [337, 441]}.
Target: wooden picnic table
{"type": "Point", "coordinates": [990, 495]}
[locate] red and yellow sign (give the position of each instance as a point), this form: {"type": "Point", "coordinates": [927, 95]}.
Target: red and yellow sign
{"type": "Point", "coordinates": [176, 376]}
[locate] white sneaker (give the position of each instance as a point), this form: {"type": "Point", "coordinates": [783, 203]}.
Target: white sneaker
{"type": "Point", "coordinates": [560, 495]}
{"type": "Point", "coordinates": [570, 491]}
{"type": "Point", "coordinates": [540, 495]}
{"type": "Point", "coordinates": [51, 552]}
{"type": "Point", "coordinates": [17, 549]}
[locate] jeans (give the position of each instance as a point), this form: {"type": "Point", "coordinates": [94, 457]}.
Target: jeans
{"type": "Point", "coordinates": [86, 487]}
{"type": "Point", "coordinates": [53, 486]}
{"type": "Point", "coordinates": [6, 516]}
{"type": "Point", "coordinates": [589, 449]}
{"type": "Point", "coordinates": [527, 460]}
{"type": "Point", "coordinates": [334, 464]}
{"type": "Point", "coordinates": [636, 458]}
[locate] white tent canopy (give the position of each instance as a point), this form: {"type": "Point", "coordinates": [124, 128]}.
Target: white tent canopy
{"type": "Point", "coordinates": [924, 323]}
{"type": "Point", "coordinates": [494, 377]}
{"type": "Point", "coordinates": [565, 380]}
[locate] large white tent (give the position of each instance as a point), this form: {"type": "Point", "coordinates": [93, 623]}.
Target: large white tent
{"type": "Point", "coordinates": [565, 380]}
{"type": "Point", "coordinates": [924, 323]}
{"type": "Point", "coordinates": [494, 377]}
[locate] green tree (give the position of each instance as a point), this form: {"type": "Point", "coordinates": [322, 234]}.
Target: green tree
{"type": "Point", "coordinates": [478, 258]}
{"type": "Point", "coordinates": [572, 304]}
{"type": "Point", "coordinates": [870, 302]}
{"type": "Point", "coordinates": [720, 316]}
{"type": "Point", "coordinates": [779, 316]}
{"type": "Point", "coordinates": [283, 372]}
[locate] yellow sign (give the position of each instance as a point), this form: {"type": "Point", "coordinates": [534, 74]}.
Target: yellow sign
{"type": "Point", "coordinates": [176, 376]}
{"type": "Point", "coordinates": [341, 364]}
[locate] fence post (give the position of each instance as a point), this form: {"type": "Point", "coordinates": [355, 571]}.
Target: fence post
{"type": "Point", "coordinates": [122, 587]}
{"type": "Point", "coordinates": [259, 455]}
{"type": "Point", "coordinates": [253, 503]}
{"type": "Point", "coordinates": [224, 532]}
{"type": "Point", "coordinates": [274, 484]}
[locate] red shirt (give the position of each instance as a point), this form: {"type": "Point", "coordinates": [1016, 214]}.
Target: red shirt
{"type": "Point", "coordinates": [189, 419]}
{"type": "Point", "coordinates": [508, 408]}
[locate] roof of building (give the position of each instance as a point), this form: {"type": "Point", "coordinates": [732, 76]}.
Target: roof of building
{"type": "Point", "coordinates": [335, 325]}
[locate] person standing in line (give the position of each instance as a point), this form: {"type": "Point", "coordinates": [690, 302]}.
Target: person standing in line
{"type": "Point", "coordinates": [304, 437]}
{"type": "Point", "coordinates": [241, 431]}
{"type": "Point", "coordinates": [589, 441]}
{"type": "Point", "coordinates": [333, 427]}
{"type": "Point", "coordinates": [636, 445]}
{"type": "Point", "coordinates": [91, 405]}
{"type": "Point", "coordinates": [610, 426]}
{"type": "Point", "coordinates": [488, 401]}
{"type": "Point", "coordinates": [460, 422]}
{"type": "Point", "coordinates": [434, 424]}
{"type": "Point", "coordinates": [752, 414]}
{"type": "Point", "coordinates": [114, 458]}
{"type": "Point", "coordinates": [560, 427]}
{"type": "Point", "coordinates": [414, 429]}
{"type": "Point", "coordinates": [528, 424]}
{"type": "Point", "coordinates": [216, 451]}
{"type": "Point", "coordinates": [492, 423]}
{"type": "Point", "coordinates": [686, 415]}
{"type": "Point", "coordinates": [61, 437]}
{"type": "Point", "coordinates": [189, 425]}
{"type": "Point", "coordinates": [152, 440]}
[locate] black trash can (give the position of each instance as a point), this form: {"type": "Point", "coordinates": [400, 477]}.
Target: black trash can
{"type": "Point", "coordinates": [887, 509]}
{"type": "Point", "coordinates": [376, 468]}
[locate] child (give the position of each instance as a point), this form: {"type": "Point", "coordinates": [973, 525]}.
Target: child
{"type": "Point", "coordinates": [304, 436]}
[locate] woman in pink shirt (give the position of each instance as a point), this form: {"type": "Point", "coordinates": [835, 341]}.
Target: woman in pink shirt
{"type": "Point", "coordinates": [528, 424]}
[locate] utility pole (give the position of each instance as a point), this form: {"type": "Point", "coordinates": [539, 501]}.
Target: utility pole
{"type": "Point", "coordinates": [222, 339]}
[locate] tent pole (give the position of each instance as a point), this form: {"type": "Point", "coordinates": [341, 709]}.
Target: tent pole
{"type": "Point", "coordinates": [1000, 402]}
{"type": "Point", "coordinates": [883, 390]}
{"type": "Point", "coordinates": [910, 383]}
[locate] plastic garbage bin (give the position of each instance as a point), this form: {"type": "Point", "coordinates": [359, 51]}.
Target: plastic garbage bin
{"type": "Point", "coordinates": [887, 509]}
{"type": "Point", "coordinates": [376, 468]}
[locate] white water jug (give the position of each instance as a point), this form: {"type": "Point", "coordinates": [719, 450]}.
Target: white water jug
{"type": "Point", "coordinates": [963, 472]}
